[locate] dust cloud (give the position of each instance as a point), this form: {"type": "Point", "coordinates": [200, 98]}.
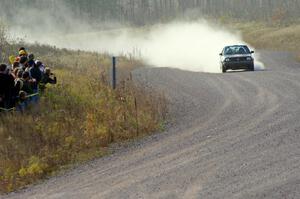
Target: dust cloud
{"type": "Point", "coordinates": [193, 46]}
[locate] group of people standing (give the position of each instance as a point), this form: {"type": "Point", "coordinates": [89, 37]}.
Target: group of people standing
{"type": "Point", "coordinates": [22, 81]}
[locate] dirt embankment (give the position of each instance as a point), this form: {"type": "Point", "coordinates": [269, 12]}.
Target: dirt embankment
{"type": "Point", "coordinates": [262, 36]}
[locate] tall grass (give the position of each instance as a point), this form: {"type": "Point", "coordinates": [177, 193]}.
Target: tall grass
{"type": "Point", "coordinates": [264, 36]}
{"type": "Point", "coordinates": [77, 119]}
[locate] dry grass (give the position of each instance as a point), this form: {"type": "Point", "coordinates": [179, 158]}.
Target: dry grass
{"type": "Point", "coordinates": [77, 119]}
{"type": "Point", "coordinates": [286, 38]}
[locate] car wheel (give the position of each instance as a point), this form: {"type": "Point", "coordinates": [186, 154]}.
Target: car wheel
{"type": "Point", "coordinates": [224, 69]}
{"type": "Point", "coordinates": [251, 68]}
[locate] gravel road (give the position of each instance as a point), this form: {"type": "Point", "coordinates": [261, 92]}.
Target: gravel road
{"type": "Point", "coordinates": [233, 135]}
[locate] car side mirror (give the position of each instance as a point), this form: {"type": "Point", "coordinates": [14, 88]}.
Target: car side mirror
{"type": "Point", "coordinates": [252, 52]}
{"type": "Point", "coordinates": [221, 54]}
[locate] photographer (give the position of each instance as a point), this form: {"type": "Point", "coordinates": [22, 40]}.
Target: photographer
{"type": "Point", "coordinates": [48, 78]}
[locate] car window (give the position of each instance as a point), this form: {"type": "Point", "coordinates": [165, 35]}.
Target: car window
{"type": "Point", "coordinates": [236, 50]}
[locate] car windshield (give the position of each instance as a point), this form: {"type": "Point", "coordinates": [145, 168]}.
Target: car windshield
{"type": "Point", "coordinates": [236, 50]}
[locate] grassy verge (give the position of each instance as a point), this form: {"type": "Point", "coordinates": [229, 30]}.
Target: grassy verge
{"type": "Point", "coordinates": [77, 119]}
{"type": "Point", "coordinates": [263, 36]}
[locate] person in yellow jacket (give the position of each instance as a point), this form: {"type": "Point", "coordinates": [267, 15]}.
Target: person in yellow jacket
{"type": "Point", "coordinates": [23, 52]}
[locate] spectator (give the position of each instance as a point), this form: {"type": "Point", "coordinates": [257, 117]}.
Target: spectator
{"type": "Point", "coordinates": [48, 77]}
{"type": "Point", "coordinates": [21, 102]}
{"type": "Point", "coordinates": [23, 52]}
{"type": "Point", "coordinates": [27, 83]}
{"type": "Point", "coordinates": [22, 48]}
{"type": "Point", "coordinates": [19, 84]}
{"type": "Point", "coordinates": [15, 65]}
{"type": "Point", "coordinates": [27, 66]}
{"type": "Point", "coordinates": [14, 73]}
{"type": "Point", "coordinates": [6, 87]}
{"type": "Point", "coordinates": [23, 61]}
{"type": "Point", "coordinates": [41, 65]}
{"type": "Point", "coordinates": [18, 81]}
{"type": "Point", "coordinates": [35, 72]}
{"type": "Point", "coordinates": [31, 61]}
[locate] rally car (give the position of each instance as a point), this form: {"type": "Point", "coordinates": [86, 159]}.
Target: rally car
{"type": "Point", "coordinates": [236, 57]}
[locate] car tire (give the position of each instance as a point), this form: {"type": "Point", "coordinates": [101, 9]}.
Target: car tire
{"type": "Point", "coordinates": [224, 69]}
{"type": "Point", "coordinates": [251, 68]}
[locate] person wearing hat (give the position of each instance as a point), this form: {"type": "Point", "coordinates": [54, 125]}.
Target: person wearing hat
{"type": "Point", "coordinates": [22, 58]}
{"type": "Point", "coordinates": [23, 52]}
{"type": "Point", "coordinates": [22, 48]}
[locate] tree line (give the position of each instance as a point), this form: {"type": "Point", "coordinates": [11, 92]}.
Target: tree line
{"type": "Point", "coordinates": [141, 12]}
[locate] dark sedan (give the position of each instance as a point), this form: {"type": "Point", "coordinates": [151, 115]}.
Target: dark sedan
{"type": "Point", "coordinates": [236, 57]}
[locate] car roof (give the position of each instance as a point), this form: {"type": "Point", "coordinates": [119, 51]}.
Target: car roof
{"type": "Point", "coordinates": [236, 46]}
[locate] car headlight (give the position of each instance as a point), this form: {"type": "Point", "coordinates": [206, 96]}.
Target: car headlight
{"type": "Point", "coordinates": [227, 59]}
{"type": "Point", "coordinates": [249, 59]}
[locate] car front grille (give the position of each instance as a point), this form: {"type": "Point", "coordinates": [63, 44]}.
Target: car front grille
{"type": "Point", "coordinates": [238, 59]}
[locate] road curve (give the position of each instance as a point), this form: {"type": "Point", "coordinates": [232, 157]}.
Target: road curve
{"type": "Point", "coordinates": [234, 135]}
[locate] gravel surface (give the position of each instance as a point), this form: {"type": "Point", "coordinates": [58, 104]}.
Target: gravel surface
{"type": "Point", "coordinates": [234, 135]}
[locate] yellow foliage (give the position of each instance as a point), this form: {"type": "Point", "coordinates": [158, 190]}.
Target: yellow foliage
{"type": "Point", "coordinates": [22, 172]}
{"type": "Point", "coordinates": [35, 169]}
{"type": "Point", "coordinates": [76, 119]}
{"type": "Point", "coordinates": [69, 141]}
